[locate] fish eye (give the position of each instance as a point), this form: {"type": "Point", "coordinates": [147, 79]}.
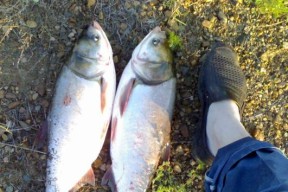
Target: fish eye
{"type": "Point", "coordinates": [155, 41]}
{"type": "Point", "coordinates": [95, 38]}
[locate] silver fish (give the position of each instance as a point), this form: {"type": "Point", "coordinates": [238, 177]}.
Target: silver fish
{"type": "Point", "coordinates": [142, 113]}
{"type": "Point", "coordinates": [80, 112]}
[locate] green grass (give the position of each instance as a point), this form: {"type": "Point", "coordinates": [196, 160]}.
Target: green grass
{"type": "Point", "coordinates": [276, 8]}
{"type": "Point", "coordinates": [166, 180]}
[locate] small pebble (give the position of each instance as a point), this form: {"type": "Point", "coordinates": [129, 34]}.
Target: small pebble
{"type": "Point", "coordinates": [205, 44]}
{"type": "Point", "coordinates": [22, 110]}
{"type": "Point", "coordinates": [184, 131]}
{"type": "Point", "coordinates": [44, 103]}
{"type": "Point", "coordinates": [103, 167]}
{"type": "Point", "coordinates": [5, 159]}
{"type": "Point", "coordinates": [4, 137]}
{"type": "Point", "coordinates": [285, 45]}
{"type": "Point", "coordinates": [97, 163]}
{"type": "Point", "coordinates": [179, 150]}
{"type": "Point", "coordinates": [177, 169]}
{"type": "Point", "coordinates": [115, 59]}
{"type": "Point", "coordinates": [222, 17]}
{"type": "Point", "coordinates": [24, 125]}
{"type": "Point", "coordinates": [10, 96]}
{"type": "Point", "coordinates": [2, 94]}
{"type": "Point", "coordinates": [31, 24]}
{"type": "Point", "coordinates": [123, 26]}
{"type": "Point", "coordinates": [90, 3]}
{"type": "Point", "coordinates": [259, 134]}
{"type": "Point", "coordinates": [52, 39]}
{"type": "Point", "coordinates": [37, 108]}
{"type": "Point", "coordinates": [41, 90]}
{"type": "Point", "coordinates": [168, 13]}
{"type": "Point", "coordinates": [26, 178]}
{"type": "Point", "coordinates": [207, 24]}
{"type": "Point", "coordinates": [71, 35]}
{"type": "Point", "coordinates": [9, 189]}
{"type": "Point", "coordinates": [24, 60]}
{"type": "Point", "coordinates": [14, 104]}
{"type": "Point", "coordinates": [35, 96]}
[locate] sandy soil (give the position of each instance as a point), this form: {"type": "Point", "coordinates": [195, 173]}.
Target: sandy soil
{"type": "Point", "coordinates": [36, 38]}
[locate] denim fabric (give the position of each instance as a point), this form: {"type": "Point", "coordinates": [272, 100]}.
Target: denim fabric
{"type": "Point", "coordinates": [248, 165]}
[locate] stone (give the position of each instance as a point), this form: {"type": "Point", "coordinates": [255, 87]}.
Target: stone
{"type": "Point", "coordinates": [115, 59]}
{"type": "Point", "coordinates": [103, 167]}
{"type": "Point", "coordinates": [184, 131]}
{"type": "Point", "coordinates": [22, 110]}
{"type": "Point", "coordinates": [222, 17]}
{"type": "Point", "coordinates": [179, 150]}
{"type": "Point", "coordinates": [24, 125]}
{"type": "Point", "coordinates": [207, 24]}
{"type": "Point", "coordinates": [52, 39]}
{"type": "Point", "coordinates": [90, 3]}
{"type": "Point", "coordinates": [10, 96]}
{"type": "Point", "coordinates": [31, 24]}
{"type": "Point", "coordinates": [177, 169]}
{"type": "Point", "coordinates": [71, 35]}
{"type": "Point", "coordinates": [35, 96]}
{"type": "Point", "coordinates": [14, 104]}
{"type": "Point", "coordinates": [97, 163]}
{"type": "Point", "coordinates": [2, 94]}
{"type": "Point", "coordinates": [285, 45]}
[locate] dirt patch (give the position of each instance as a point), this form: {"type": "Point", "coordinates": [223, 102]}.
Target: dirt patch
{"type": "Point", "coordinates": [36, 40]}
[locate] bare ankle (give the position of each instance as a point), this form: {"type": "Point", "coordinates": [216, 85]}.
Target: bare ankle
{"type": "Point", "coordinates": [223, 125]}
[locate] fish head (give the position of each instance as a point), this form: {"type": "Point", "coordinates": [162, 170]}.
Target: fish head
{"type": "Point", "coordinates": [92, 53]}
{"type": "Point", "coordinates": [152, 59]}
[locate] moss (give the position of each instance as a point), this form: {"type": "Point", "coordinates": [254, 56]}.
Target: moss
{"type": "Point", "coordinates": [174, 41]}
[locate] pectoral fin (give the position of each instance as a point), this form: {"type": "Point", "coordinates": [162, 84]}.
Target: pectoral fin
{"type": "Point", "coordinates": [88, 178]}
{"type": "Point", "coordinates": [124, 98]}
{"type": "Point", "coordinates": [104, 86]}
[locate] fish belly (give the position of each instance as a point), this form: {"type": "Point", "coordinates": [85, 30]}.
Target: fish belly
{"type": "Point", "coordinates": [76, 130]}
{"type": "Point", "coordinates": [141, 134]}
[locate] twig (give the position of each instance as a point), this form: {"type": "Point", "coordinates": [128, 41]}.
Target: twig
{"type": "Point", "coordinates": [24, 148]}
{"type": "Point", "coordinates": [119, 36]}
{"type": "Point", "coordinates": [2, 126]}
{"type": "Point", "coordinates": [180, 21]}
{"type": "Point", "coordinates": [274, 24]}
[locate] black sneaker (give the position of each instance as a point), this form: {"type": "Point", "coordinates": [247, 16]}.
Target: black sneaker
{"type": "Point", "coordinates": [220, 78]}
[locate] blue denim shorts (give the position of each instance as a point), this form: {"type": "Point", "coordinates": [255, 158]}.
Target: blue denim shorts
{"type": "Point", "coordinates": [248, 165]}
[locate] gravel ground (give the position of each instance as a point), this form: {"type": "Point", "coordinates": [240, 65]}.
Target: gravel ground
{"type": "Point", "coordinates": [36, 38]}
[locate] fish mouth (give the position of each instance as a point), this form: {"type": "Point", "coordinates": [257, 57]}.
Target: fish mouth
{"type": "Point", "coordinates": [91, 58]}
{"type": "Point", "coordinates": [152, 64]}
